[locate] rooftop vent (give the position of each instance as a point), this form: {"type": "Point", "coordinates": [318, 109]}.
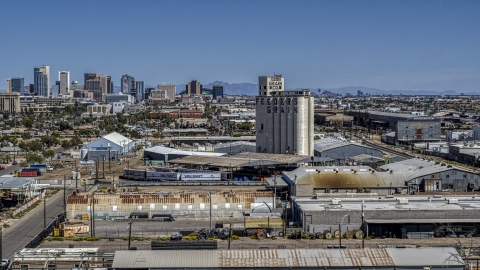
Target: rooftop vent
{"type": "Point", "coordinates": [452, 200]}
{"type": "Point", "coordinates": [402, 201]}
{"type": "Point", "coordinates": [335, 201]}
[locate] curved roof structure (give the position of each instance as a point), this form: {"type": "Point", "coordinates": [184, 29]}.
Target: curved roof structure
{"type": "Point", "coordinates": [354, 179]}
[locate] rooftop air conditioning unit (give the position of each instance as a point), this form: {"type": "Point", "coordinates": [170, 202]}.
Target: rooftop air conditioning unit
{"type": "Point", "coordinates": [452, 201]}
{"type": "Point", "coordinates": [402, 201]}
{"type": "Point", "coordinates": [335, 201]}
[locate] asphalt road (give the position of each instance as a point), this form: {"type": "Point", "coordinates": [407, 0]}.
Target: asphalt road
{"type": "Point", "coordinates": [10, 169]}
{"type": "Point", "coordinates": [29, 226]}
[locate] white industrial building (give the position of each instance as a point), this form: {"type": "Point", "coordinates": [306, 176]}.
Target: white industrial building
{"type": "Point", "coordinates": [113, 142]}
{"type": "Point", "coordinates": [284, 119]}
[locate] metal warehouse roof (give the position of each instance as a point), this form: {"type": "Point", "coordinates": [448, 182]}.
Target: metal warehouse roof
{"type": "Point", "coordinates": [15, 182]}
{"type": "Point", "coordinates": [274, 258]}
{"type": "Point", "coordinates": [227, 161]}
{"type": "Point", "coordinates": [171, 151]}
{"type": "Point", "coordinates": [244, 159]}
{"type": "Point", "coordinates": [235, 143]}
{"type": "Point", "coordinates": [365, 157]}
{"type": "Point", "coordinates": [117, 138]}
{"type": "Point", "coordinates": [331, 143]}
{"type": "Point", "coordinates": [354, 179]}
{"type": "Point", "coordinates": [279, 158]}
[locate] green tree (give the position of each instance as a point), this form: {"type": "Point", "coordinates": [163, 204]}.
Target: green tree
{"type": "Point", "coordinates": [156, 135]}
{"type": "Point", "coordinates": [32, 158]}
{"type": "Point", "coordinates": [27, 122]}
{"type": "Point", "coordinates": [49, 154]}
{"type": "Point", "coordinates": [26, 135]}
{"type": "Point", "coordinates": [66, 144]}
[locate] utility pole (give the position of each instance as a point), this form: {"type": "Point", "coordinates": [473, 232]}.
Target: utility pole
{"type": "Point", "coordinates": [275, 191]}
{"type": "Point", "coordinates": [96, 167]}
{"type": "Point", "coordinates": [109, 158]}
{"type": "Point", "coordinates": [65, 193]}
{"type": "Point", "coordinates": [103, 167]}
{"type": "Point", "coordinates": [210, 196]}
{"type": "Point", "coordinates": [93, 213]}
{"type": "Point", "coordinates": [129, 233]}
{"type": "Point", "coordinates": [76, 178]}
{"type": "Point", "coordinates": [229, 235]}
{"type": "Point", "coordinates": [45, 212]}
{"type": "Point", "coordinates": [363, 217]}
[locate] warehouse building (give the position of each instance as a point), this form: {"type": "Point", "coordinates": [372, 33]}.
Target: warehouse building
{"type": "Point", "coordinates": [388, 258]}
{"type": "Point", "coordinates": [405, 177]}
{"type": "Point", "coordinates": [396, 216]}
{"type": "Point", "coordinates": [418, 129]}
{"type": "Point", "coordinates": [378, 120]}
{"type": "Point", "coordinates": [235, 147]}
{"type": "Point", "coordinates": [430, 176]}
{"type": "Point", "coordinates": [113, 142]}
{"type": "Point", "coordinates": [342, 150]}
{"type": "Point", "coordinates": [165, 154]}
{"type": "Point", "coordinates": [17, 190]}
{"type": "Point", "coordinates": [151, 205]}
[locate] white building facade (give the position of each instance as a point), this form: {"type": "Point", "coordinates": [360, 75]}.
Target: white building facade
{"type": "Point", "coordinates": [284, 119]}
{"type": "Point", "coordinates": [64, 79]}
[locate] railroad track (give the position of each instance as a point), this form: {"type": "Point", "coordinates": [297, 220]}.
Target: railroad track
{"type": "Point", "coordinates": [387, 149]}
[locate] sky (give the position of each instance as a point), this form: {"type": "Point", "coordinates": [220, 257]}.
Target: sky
{"type": "Point", "coordinates": [390, 45]}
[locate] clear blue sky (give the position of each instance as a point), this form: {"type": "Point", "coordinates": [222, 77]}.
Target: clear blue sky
{"type": "Point", "coordinates": [430, 45]}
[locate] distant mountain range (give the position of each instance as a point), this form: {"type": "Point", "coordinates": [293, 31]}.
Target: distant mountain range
{"type": "Point", "coordinates": [250, 89]}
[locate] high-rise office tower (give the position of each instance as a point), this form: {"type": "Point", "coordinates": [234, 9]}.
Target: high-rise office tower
{"type": "Point", "coordinates": [64, 86]}
{"type": "Point", "coordinates": [171, 90]}
{"type": "Point", "coordinates": [109, 85]}
{"type": "Point", "coordinates": [148, 92]}
{"type": "Point", "coordinates": [140, 87]}
{"type": "Point", "coordinates": [104, 84]}
{"type": "Point", "coordinates": [127, 85]}
{"type": "Point", "coordinates": [284, 119]}
{"type": "Point", "coordinates": [43, 86]}
{"type": "Point", "coordinates": [31, 89]}
{"type": "Point", "coordinates": [55, 89]}
{"type": "Point", "coordinates": [95, 86]}
{"type": "Point", "coordinates": [9, 85]}
{"type": "Point", "coordinates": [194, 88]}
{"type": "Point", "coordinates": [86, 77]}
{"type": "Point", "coordinates": [18, 85]}
{"type": "Point", "coordinates": [217, 91]}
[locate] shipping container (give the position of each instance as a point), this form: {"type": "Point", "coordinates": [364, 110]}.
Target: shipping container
{"type": "Point", "coordinates": [41, 167]}
{"type": "Point", "coordinates": [199, 176]}
{"type": "Point", "coordinates": [134, 174]}
{"type": "Point", "coordinates": [28, 174]}
{"type": "Point", "coordinates": [152, 176]}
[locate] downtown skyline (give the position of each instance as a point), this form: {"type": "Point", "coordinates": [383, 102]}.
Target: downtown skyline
{"type": "Point", "coordinates": [422, 45]}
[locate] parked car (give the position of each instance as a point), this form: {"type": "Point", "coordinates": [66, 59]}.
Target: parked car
{"type": "Point", "coordinates": [14, 162]}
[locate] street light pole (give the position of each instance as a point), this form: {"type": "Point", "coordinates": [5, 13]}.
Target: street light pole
{"type": "Point", "coordinates": [363, 226]}
{"type": "Point", "coordinates": [109, 158]}
{"type": "Point", "coordinates": [340, 230]}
